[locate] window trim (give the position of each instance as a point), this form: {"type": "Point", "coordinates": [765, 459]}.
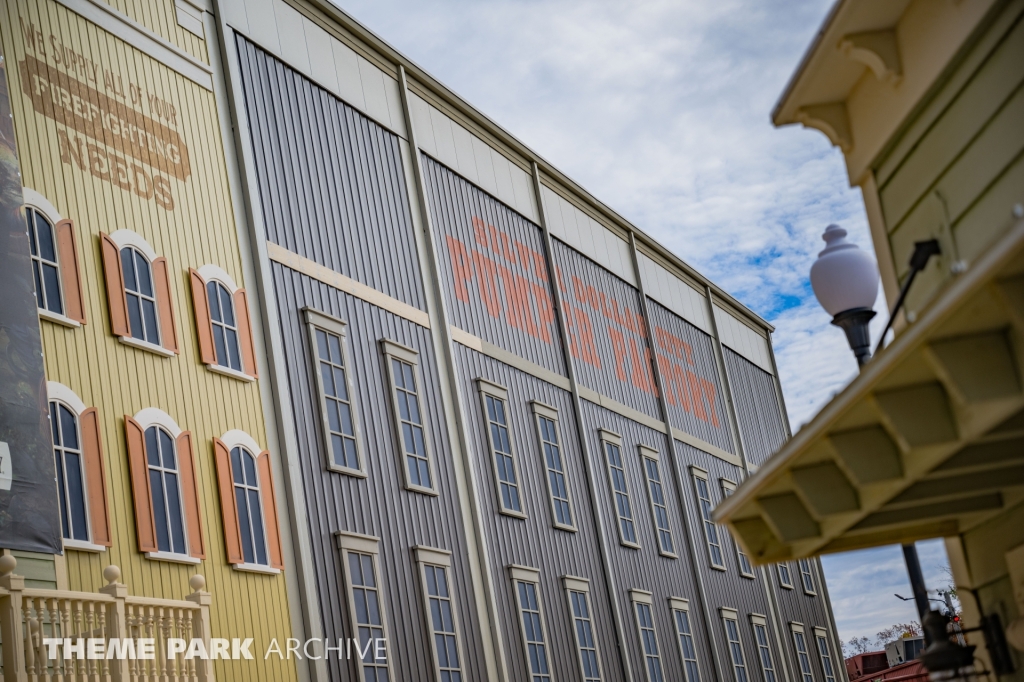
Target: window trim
{"type": "Point", "coordinates": [214, 273]}
{"type": "Point", "coordinates": [611, 438]}
{"type": "Point", "coordinates": [728, 488]}
{"type": "Point", "coordinates": [167, 334]}
{"type": "Point", "coordinates": [359, 543]}
{"type": "Point", "coordinates": [548, 412]}
{"type": "Point", "coordinates": [646, 598]}
{"type": "Point", "coordinates": [695, 473]}
{"type": "Point", "coordinates": [487, 388]}
{"type": "Point", "coordinates": [794, 629]}
{"type": "Point", "coordinates": [62, 395]}
{"type": "Point", "coordinates": [757, 619]}
{"type": "Point", "coordinates": [169, 555]}
{"type": "Point", "coordinates": [572, 583]}
{"type": "Point", "coordinates": [683, 605]}
{"type": "Point", "coordinates": [821, 635]}
{"type": "Point", "coordinates": [438, 558]}
{"type": "Point", "coordinates": [393, 350]}
{"type": "Point", "coordinates": [789, 570]}
{"type": "Point", "coordinates": [650, 453]}
{"type": "Point", "coordinates": [528, 574]}
{"type": "Point", "coordinates": [805, 576]}
{"type": "Point", "coordinates": [32, 199]}
{"type": "Point", "coordinates": [730, 614]}
{"type": "Point", "coordinates": [314, 318]}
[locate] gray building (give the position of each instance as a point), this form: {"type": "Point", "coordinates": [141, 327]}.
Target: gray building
{"type": "Point", "coordinates": [507, 413]}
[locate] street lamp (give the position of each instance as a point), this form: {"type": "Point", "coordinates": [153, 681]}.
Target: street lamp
{"type": "Point", "coordinates": [845, 282]}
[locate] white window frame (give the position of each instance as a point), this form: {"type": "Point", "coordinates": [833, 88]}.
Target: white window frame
{"type": "Point", "coordinates": [821, 640]}
{"type": "Point", "coordinates": [439, 558]}
{"type": "Point", "coordinates": [582, 585]}
{"type": "Point", "coordinates": [527, 574]}
{"type": "Point", "coordinates": [214, 273]}
{"type": "Point", "coordinates": [396, 351]}
{"type": "Point", "coordinates": [647, 453]}
{"type": "Point", "coordinates": [806, 576]}
{"type": "Point", "coordinates": [611, 438]}
{"type": "Point", "coordinates": [785, 576]}
{"type": "Point", "coordinates": [315, 319]}
{"type": "Point", "coordinates": [62, 395]}
{"type": "Point", "coordinates": [639, 598]}
{"type": "Point", "coordinates": [757, 620]}
{"type": "Point", "coordinates": [489, 389]}
{"type": "Point", "coordinates": [254, 453]}
{"type": "Point", "coordinates": [128, 238]}
{"type": "Point", "coordinates": [732, 615]}
{"type": "Point", "coordinates": [706, 521]}
{"type": "Point", "coordinates": [548, 412]}
{"type": "Point", "coordinates": [363, 544]}
{"type": "Point", "coordinates": [683, 606]}
{"type": "Point", "coordinates": [48, 214]}
{"type": "Point", "coordinates": [796, 631]}
{"type": "Point", "coordinates": [728, 488]}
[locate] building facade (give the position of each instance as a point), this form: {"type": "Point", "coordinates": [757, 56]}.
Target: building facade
{"type": "Point", "coordinates": [498, 399]}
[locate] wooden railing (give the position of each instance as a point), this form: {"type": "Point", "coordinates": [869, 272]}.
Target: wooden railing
{"type": "Point", "coordinates": [110, 618]}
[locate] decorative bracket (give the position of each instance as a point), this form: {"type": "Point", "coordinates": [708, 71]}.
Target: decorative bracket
{"type": "Point", "coordinates": [831, 119]}
{"type": "Point", "coordinates": [878, 51]}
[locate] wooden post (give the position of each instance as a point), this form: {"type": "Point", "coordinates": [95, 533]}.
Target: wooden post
{"type": "Point", "coordinates": [117, 625]}
{"type": "Point", "coordinates": [201, 624]}
{"type": "Point", "coordinates": [12, 631]}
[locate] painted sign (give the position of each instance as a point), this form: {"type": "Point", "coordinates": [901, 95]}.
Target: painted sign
{"type": "Point", "coordinates": [29, 515]}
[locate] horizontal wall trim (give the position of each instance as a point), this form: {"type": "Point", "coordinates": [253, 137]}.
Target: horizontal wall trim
{"type": "Point", "coordinates": [707, 447]}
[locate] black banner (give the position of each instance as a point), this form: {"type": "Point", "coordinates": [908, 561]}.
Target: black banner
{"type": "Point", "coordinates": [29, 512]}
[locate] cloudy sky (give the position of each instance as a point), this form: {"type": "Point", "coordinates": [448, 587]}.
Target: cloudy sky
{"type": "Point", "coordinates": [661, 109]}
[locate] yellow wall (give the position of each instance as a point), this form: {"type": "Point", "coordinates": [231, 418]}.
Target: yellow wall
{"type": "Point", "coordinates": [160, 17]}
{"type": "Point", "coordinates": [120, 380]}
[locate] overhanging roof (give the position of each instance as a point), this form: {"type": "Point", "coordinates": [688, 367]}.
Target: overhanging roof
{"type": "Point", "coordinates": [928, 441]}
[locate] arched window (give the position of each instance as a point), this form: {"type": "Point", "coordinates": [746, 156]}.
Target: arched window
{"type": "Point", "coordinates": [81, 476]}
{"type": "Point", "coordinates": [165, 490]}
{"type": "Point", "coordinates": [55, 269]}
{"type": "Point", "coordinates": [247, 503]}
{"type": "Point", "coordinates": [222, 323]}
{"type": "Point", "coordinates": [45, 267]}
{"type": "Point", "coordinates": [139, 293]}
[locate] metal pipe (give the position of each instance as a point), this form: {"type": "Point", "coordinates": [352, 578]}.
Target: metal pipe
{"type": "Point", "coordinates": [917, 583]}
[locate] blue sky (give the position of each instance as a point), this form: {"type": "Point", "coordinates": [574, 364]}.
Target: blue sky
{"type": "Point", "coordinates": [661, 109]}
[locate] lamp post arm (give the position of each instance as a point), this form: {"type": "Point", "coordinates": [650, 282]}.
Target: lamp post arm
{"type": "Point", "coordinates": [923, 251]}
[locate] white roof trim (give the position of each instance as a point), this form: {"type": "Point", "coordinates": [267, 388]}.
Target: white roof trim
{"type": "Point", "coordinates": [58, 391]}
{"type": "Point", "coordinates": [237, 437]}
{"type": "Point", "coordinates": [125, 238]}
{"type": "Point", "coordinates": [42, 204]}
{"type": "Point", "coordinates": [215, 272]}
{"type": "Point", "coordinates": [153, 416]}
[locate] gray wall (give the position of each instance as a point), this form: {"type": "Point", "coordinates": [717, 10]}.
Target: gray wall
{"type": "Point", "coordinates": [757, 408]}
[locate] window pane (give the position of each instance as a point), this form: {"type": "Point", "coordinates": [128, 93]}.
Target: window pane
{"type": "Point", "coordinates": [145, 276]}
{"type": "Point", "coordinates": [51, 282]}
{"type": "Point", "coordinates": [244, 528]}
{"type": "Point", "coordinates": [163, 536]}
{"type": "Point", "coordinates": [135, 316]}
{"type": "Point", "coordinates": [128, 269]}
{"type": "Point", "coordinates": [258, 538]}
{"type": "Point", "coordinates": [174, 511]}
{"type": "Point", "coordinates": [213, 301]}
{"type": "Point", "coordinates": [227, 306]}
{"type": "Point", "coordinates": [149, 319]}
{"type": "Point", "coordinates": [167, 448]}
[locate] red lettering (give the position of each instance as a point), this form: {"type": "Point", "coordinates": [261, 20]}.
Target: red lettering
{"type": "Point", "coordinates": [698, 406]}
{"type": "Point", "coordinates": [480, 232]}
{"type": "Point", "coordinates": [708, 390]}
{"type": "Point", "coordinates": [487, 275]}
{"type": "Point", "coordinates": [581, 335]}
{"type": "Point", "coordinates": [545, 310]}
{"type": "Point", "coordinates": [517, 301]}
{"type": "Point", "coordinates": [619, 351]}
{"type": "Point", "coordinates": [462, 267]}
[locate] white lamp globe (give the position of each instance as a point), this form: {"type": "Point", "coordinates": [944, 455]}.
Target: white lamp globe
{"type": "Point", "coordinates": [844, 277]}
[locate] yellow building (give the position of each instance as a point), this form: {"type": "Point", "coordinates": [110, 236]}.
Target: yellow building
{"type": "Point", "coordinates": [926, 101]}
{"type": "Point", "coordinates": [165, 466]}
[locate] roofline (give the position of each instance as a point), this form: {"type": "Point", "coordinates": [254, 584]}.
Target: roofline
{"type": "Point", "coordinates": [471, 112]}
{"type": "Point", "coordinates": [804, 61]}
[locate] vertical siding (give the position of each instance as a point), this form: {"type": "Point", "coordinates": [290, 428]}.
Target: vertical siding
{"type": "Point", "coordinates": [493, 269]}
{"type": "Point", "coordinates": [330, 180]}
{"type": "Point", "coordinates": [119, 380]}
{"type": "Point", "coordinates": [606, 331]}
{"type": "Point", "coordinates": [757, 408]}
{"type": "Point", "coordinates": [377, 505]}
{"type": "Point", "coordinates": [161, 17]}
{"type": "Point", "coordinates": [696, 401]}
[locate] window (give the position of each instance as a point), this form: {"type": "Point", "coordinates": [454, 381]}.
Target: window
{"type": "Point", "coordinates": [139, 293]}
{"type": "Point", "coordinates": [764, 651]}
{"type": "Point", "coordinates": [328, 340]}
{"type": "Point", "coordinates": [435, 565]}
{"type": "Point", "coordinates": [684, 635]}
{"type": "Point", "coordinates": [551, 451]}
{"type": "Point", "coordinates": [79, 465]}
{"type": "Point", "coordinates": [642, 602]}
{"type": "Point", "coordinates": [612, 445]}
{"type": "Point", "coordinates": [700, 482]}
{"type": "Point", "coordinates": [164, 488]}
{"type": "Point", "coordinates": [806, 577]}
{"type": "Point", "coordinates": [366, 609]}
{"type": "Point", "coordinates": [821, 639]}
{"type": "Point", "coordinates": [578, 591]}
{"type": "Point", "coordinates": [732, 638]}
{"type": "Point", "coordinates": [802, 656]}
{"type": "Point", "coordinates": [526, 584]}
{"type": "Point", "coordinates": [226, 343]}
{"type": "Point", "coordinates": [785, 577]}
{"type": "Point", "coordinates": [248, 506]}
{"type": "Point", "coordinates": [45, 268]}
{"type": "Point", "coordinates": [416, 465]}
{"type": "Point", "coordinates": [742, 560]}
{"type": "Point", "coordinates": [656, 496]}
{"type": "Point", "coordinates": [506, 470]}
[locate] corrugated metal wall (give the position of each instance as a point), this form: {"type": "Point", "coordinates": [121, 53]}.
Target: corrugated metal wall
{"type": "Point", "coordinates": [534, 541]}
{"type": "Point", "coordinates": [377, 505]}
{"type": "Point", "coordinates": [330, 180]}
{"type": "Point", "coordinates": [757, 408]}
{"type": "Point", "coordinates": [606, 331]}
{"type": "Point", "coordinates": [493, 269]}
{"type": "Point", "coordinates": [693, 392]}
